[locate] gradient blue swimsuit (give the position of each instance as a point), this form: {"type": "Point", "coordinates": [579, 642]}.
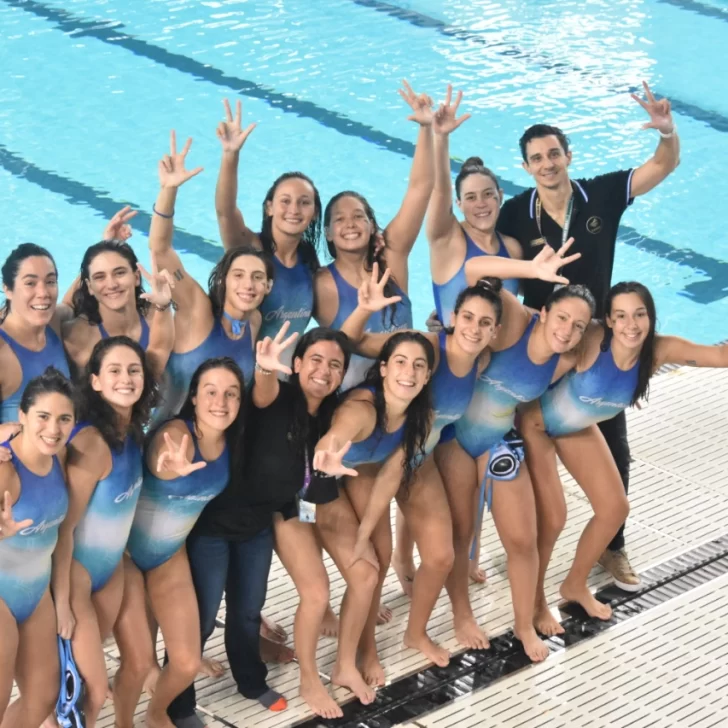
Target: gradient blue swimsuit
{"type": "Point", "coordinates": [33, 364]}
{"type": "Point", "coordinates": [374, 449]}
{"type": "Point", "coordinates": [581, 399]}
{"type": "Point", "coordinates": [451, 396]}
{"type": "Point", "coordinates": [380, 322]}
{"type": "Point", "coordinates": [102, 533]}
{"type": "Point", "coordinates": [446, 293]}
{"type": "Point", "coordinates": [143, 339]}
{"type": "Point", "coordinates": [168, 509]}
{"type": "Point", "coordinates": [181, 367]}
{"type": "Point", "coordinates": [25, 559]}
{"type": "Point", "coordinates": [509, 379]}
{"type": "Point", "coordinates": [290, 299]}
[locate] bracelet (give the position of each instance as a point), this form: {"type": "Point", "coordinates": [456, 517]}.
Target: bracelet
{"type": "Point", "coordinates": [260, 370]}
{"type": "Point", "coordinates": [670, 134]}
{"type": "Point", "coordinates": [163, 308]}
{"type": "Point", "coordinates": [161, 214]}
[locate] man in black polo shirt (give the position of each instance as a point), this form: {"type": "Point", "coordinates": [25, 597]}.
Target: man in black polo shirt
{"type": "Point", "coordinates": [589, 210]}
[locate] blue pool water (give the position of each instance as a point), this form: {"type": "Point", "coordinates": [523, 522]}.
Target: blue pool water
{"type": "Point", "coordinates": [89, 90]}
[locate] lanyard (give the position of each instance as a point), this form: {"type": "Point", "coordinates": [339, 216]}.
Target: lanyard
{"type": "Point", "coordinates": [307, 473]}
{"type": "Point", "coordinates": [567, 220]}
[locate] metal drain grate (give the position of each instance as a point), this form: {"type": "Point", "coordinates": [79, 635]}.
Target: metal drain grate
{"type": "Point", "coordinates": [407, 699]}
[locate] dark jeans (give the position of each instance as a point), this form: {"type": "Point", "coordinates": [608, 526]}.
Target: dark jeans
{"type": "Point", "coordinates": [240, 569]}
{"type": "Point", "coordinates": [615, 433]}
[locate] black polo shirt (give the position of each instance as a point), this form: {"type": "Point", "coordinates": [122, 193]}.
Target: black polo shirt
{"type": "Point", "coordinates": [598, 206]}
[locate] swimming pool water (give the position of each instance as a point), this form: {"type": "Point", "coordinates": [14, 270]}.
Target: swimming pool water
{"type": "Point", "coordinates": [89, 90]}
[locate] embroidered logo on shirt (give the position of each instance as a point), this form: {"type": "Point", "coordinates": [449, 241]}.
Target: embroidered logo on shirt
{"type": "Point", "coordinates": [594, 225]}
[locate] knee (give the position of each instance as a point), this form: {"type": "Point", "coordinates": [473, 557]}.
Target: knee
{"type": "Point", "coordinates": [522, 543]}
{"type": "Point", "coordinates": [96, 689]}
{"type": "Point", "coordinates": [621, 510]}
{"type": "Point", "coordinates": [315, 596]}
{"type": "Point", "coordinates": [439, 559]}
{"type": "Point", "coordinates": [551, 522]}
{"type": "Point", "coordinates": [362, 576]}
{"type": "Point", "coordinates": [186, 664]}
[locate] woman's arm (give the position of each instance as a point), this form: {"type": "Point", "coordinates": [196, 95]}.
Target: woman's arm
{"type": "Point", "coordinates": [161, 329]}
{"type": "Point", "coordinates": [674, 350]}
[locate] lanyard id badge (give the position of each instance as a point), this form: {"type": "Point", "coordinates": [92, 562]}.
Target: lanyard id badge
{"type": "Point", "coordinates": [306, 509]}
{"type": "Point", "coordinates": [567, 222]}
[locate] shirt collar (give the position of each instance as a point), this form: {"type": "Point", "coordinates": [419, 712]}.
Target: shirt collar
{"type": "Point", "coordinates": [578, 190]}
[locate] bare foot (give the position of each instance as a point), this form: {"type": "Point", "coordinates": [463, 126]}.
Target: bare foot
{"type": "Point", "coordinates": [405, 573]}
{"type": "Point", "coordinates": [150, 683]}
{"type": "Point", "coordinates": [318, 699]}
{"type": "Point", "coordinates": [272, 631]}
{"type": "Point", "coordinates": [533, 646]}
{"type": "Point", "coordinates": [353, 680]}
{"type": "Point", "coordinates": [545, 622]}
{"type": "Point", "coordinates": [476, 573]}
{"type": "Point", "coordinates": [372, 670]}
{"type": "Point", "coordinates": [385, 615]}
{"type": "Point", "coordinates": [468, 633]}
{"type": "Point", "coordinates": [433, 652]}
{"type": "Point", "coordinates": [330, 625]}
{"type": "Point", "coordinates": [581, 594]}
{"type": "Point", "coordinates": [211, 668]}
{"type": "Point", "coordinates": [275, 653]}
{"type": "Point", "coordinates": [159, 720]}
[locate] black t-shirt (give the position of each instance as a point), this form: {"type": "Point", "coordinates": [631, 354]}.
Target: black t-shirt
{"type": "Point", "coordinates": [272, 474]}
{"type": "Point", "coordinates": [598, 206]}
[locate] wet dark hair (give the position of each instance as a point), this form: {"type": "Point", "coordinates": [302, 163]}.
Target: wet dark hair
{"type": "Point", "coordinates": [308, 245]}
{"type": "Point", "coordinates": [300, 420]}
{"type": "Point", "coordinates": [95, 410]}
{"type": "Point", "coordinates": [419, 413]}
{"type": "Point", "coordinates": [473, 165]}
{"type": "Point", "coordinates": [12, 264]}
{"type": "Point", "coordinates": [486, 288]}
{"type": "Point", "coordinates": [216, 284]}
{"type": "Point", "coordinates": [647, 353]}
{"type": "Point", "coordinates": [573, 290]}
{"type": "Point", "coordinates": [538, 131]}
{"type": "Point", "coordinates": [85, 304]}
{"type": "Point", "coordinates": [51, 381]}
{"type": "Point", "coordinates": [373, 256]}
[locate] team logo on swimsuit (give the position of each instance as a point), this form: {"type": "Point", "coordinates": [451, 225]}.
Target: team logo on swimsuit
{"type": "Point", "coordinates": [594, 225]}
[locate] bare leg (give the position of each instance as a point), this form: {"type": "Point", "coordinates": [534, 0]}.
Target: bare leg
{"type": "Point", "coordinates": [300, 554]}
{"type": "Point", "coordinates": [8, 652]}
{"type": "Point", "coordinates": [427, 512]}
{"type": "Point", "coordinates": [474, 571]}
{"type": "Point", "coordinates": [460, 477]}
{"type": "Point", "coordinates": [586, 456]}
{"type": "Point", "coordinates": [402, 559]}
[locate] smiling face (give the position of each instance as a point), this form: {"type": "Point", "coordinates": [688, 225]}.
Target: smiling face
{"type": "Point", "coordinates": [218, 398]}
{"type": "Point", "coordinates": [111, 280]}
{"type": "Point", "coordinates": [480, 201]}
{"type": "Point", "coordinates": [565, 323]}
{"type": "Point", "coordinates": [629, 320]}
{"type": "Point", "coordinates": [292, 207]}
{"type": "Point", "coordinates": [246, 284]}
{"type": "Point", "coordinates": [120, 380]}
{"type": "Point", "coordinates": [547, 162]}
{"type": "Point", "coordinates": [320, 370]}
{"type": "Point", "coordinates": [474, 325]}
{"type": "Point", "coordinates": [48, 422]}
{"type": "Point", "coordinates": [406, 372]}
{"type": "Point", "coordinates": [34, 294]}
{"type": "Point", "coordinates": [349, 228]}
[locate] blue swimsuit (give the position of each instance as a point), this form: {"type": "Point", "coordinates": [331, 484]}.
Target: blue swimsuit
{"type": "Point", "coordinates": [143, 339]}
{"type": "Point", "coordinates": [290, 299]}
{"type": "Point", "coordinates": [451, 396]}
{"type": "Point", "coordinates": [33, 364]}
{"type": "Point", "coordinates": [374, 449]}
{"type": "Point", "coordinates": [102, 533]}
{"type": "Point", "coordinates": [25, 559]}
{"type": "Point", "coordinates": [168, 509]}
{"type": "Point", "coordinates": [380, 322]}
{"type": "Point", "coordinates": [510, 379]}
{"type": "Point", "coordinates": [181, 367]}
{"type": "Point", "coordinates": [580, 399]}
{"type": "Point", "coordinates": [446, 293]}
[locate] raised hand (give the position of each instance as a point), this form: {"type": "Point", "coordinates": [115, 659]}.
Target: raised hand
{"type": "Point", "coordinates": [445, 118]}
{"type": "Point", "coordinates": [174, 458]}
{"type": "Point", "coordinates": [268, 351]}
{"type": "Point", "coordinates": [659, 111]}
{"type": "Point", "coordinates": [421, 105]}
{"type": "Point", "coordinates": [161, 283]}
{"type": "Point", "coordinates": [330, 461]}
{"type": "Point", "coordinates": [548, 262]}
{"type": "Point", "coordinates": [371, 292]}
{"type": "Point", "coordinates": [118, 227]}
{"type": "Point", "coordinates": [230, 132]}
{"type": "Point", "coordinates": [8, 526]}
{"type": "Point", "coordinates": [172, 172]}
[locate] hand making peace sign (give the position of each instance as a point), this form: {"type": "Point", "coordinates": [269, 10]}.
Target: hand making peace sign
{"type": "Point", "coordinates": [330, 461]}
{"type": "Point", "coordinates": [371, 296]}
{"type": "Point", "coordinates": [172, 172]}
{"type": "Point", "coordinates": [421, 105]}
{"type": "Point", "coordinates": [659, 111]}
{"type": "Point", "coordinates": [161, 283]}
{"type": "Point", "coordinates": [174, 458]}
{"type": "Point", "coordinates": [118, 227]}
{"type": "Point", "coordinates": [8, 526]}
{"type": "Point", "coordinates": [230, 132]}
{"type": "Point", "coordinates": [268, 351]}
{"type": "Point", "coordinates": [445, 119]}
{"type": "Point", "coordinates": [548, 262]}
